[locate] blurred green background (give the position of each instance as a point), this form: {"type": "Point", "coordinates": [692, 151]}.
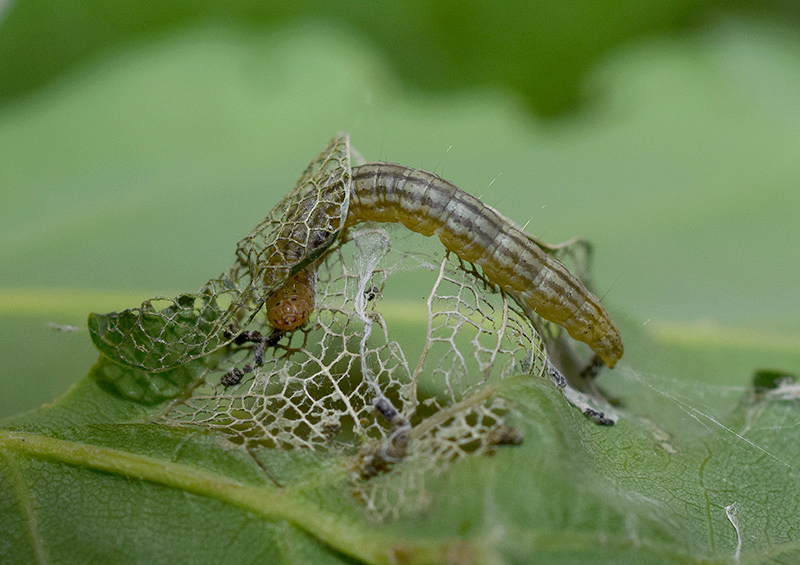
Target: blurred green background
{"type": "Point", "coordinates": [140, 142]}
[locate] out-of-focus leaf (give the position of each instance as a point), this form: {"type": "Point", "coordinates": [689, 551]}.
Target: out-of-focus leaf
{"type": "Point", "coordinates": [540, 50]}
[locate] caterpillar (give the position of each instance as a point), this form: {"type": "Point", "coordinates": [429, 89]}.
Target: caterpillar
{"type": "Point", "coordinates": [430, 205]}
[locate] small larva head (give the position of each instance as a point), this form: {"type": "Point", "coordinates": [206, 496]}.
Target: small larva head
{"type": "Point", "coordinates": [609, 347]}
{"type": "Point", "coordinates": [592, 325]}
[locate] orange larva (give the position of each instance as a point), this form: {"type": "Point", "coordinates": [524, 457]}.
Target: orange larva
{"type": "Point", "coordinates": [291, 306]}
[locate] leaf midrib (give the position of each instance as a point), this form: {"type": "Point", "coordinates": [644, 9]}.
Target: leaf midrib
{"type": "Point", "coordinates": [287, 504]}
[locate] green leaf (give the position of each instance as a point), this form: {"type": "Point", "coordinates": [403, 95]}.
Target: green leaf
{"type": "Point", "coordinates": [81, 483]}
{"type": "Point", "coordinates": [144, 337]}
{"type": "Point", "coordinates": [146, 387]}
{"type": "Point", "coordinates": [541, 50]}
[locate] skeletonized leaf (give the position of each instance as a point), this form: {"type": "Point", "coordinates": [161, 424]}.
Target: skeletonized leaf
{"type": "Point", "coordinates": [164, 333]}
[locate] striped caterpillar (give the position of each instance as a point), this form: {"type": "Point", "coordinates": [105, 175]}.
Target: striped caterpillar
{"type": "Point", "coordinates": [511, 259]}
